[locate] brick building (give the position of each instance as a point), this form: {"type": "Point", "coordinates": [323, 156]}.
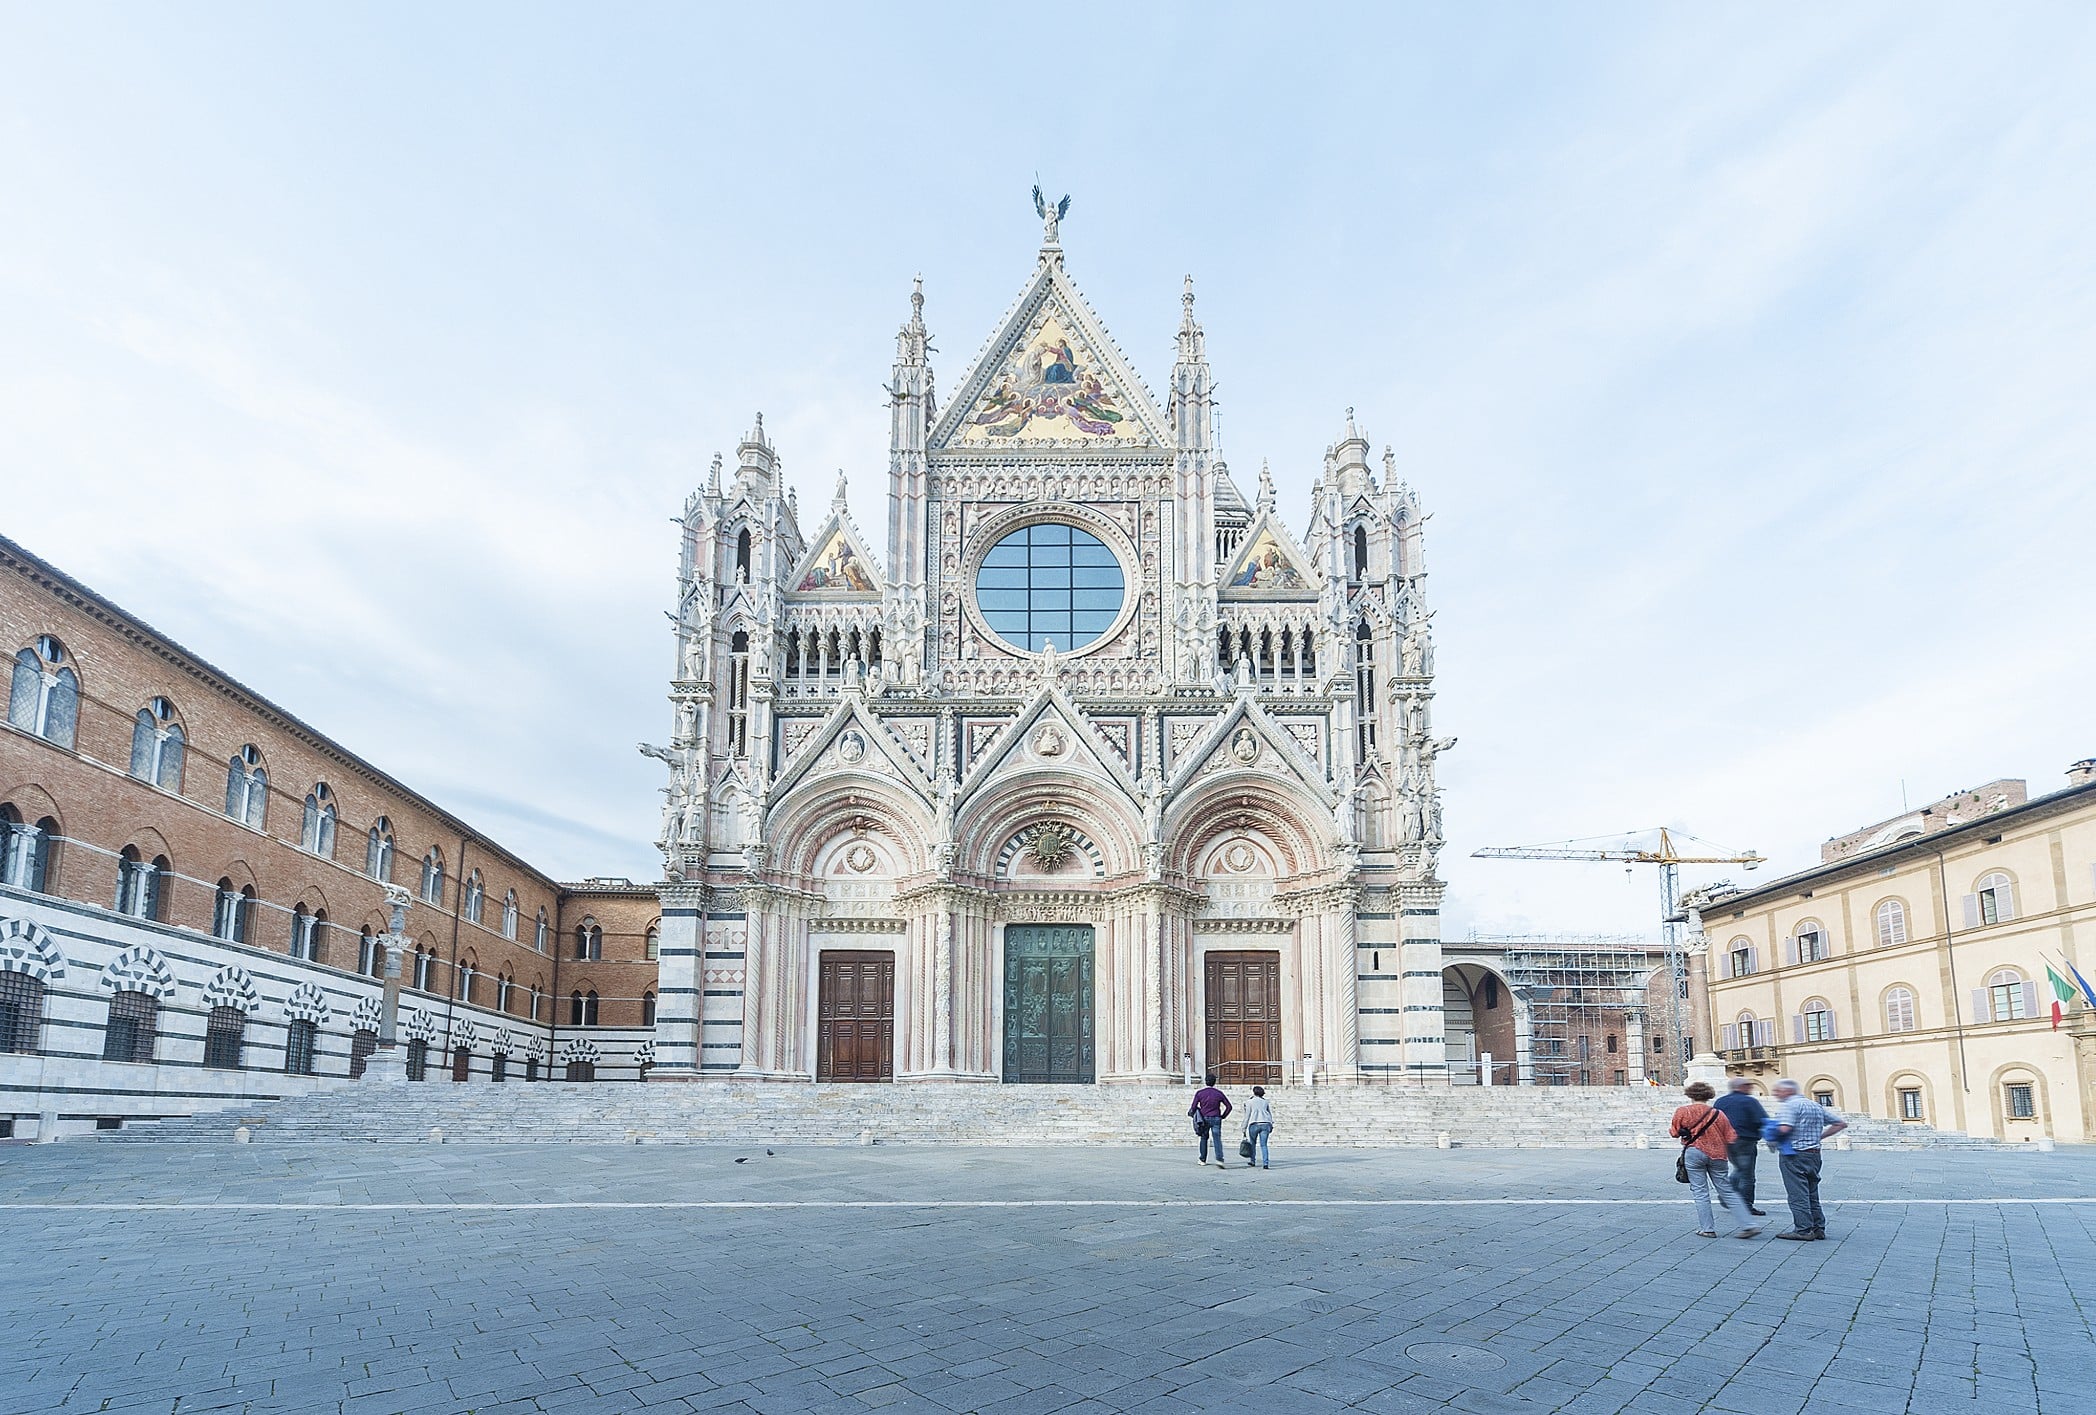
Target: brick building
{"type": "Point", "coordinates": [192, 901]}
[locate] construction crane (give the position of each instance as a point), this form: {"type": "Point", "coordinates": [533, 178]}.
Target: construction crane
{"type": "Point", "coordinates": [1627, 849]}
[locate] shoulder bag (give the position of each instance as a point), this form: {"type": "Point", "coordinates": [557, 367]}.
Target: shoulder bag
{"type": "Point", "coordinates": [1681, 1161]}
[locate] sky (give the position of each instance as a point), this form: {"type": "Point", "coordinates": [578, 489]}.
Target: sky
{"type": "Point", "coordinates": [1743, 355]}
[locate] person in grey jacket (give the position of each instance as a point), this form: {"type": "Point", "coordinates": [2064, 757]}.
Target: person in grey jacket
{"type": "Point", "coordinates": [1259, 1124]}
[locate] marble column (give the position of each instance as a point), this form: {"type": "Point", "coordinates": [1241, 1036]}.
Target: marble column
{"type": "Point", "coordinates": [679, 995]}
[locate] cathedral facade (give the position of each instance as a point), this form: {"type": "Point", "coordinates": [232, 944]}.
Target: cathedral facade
{"type": "Point", "coordinates": [1099, 772]}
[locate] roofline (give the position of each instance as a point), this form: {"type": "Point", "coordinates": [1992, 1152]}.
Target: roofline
{"type": "Point", "coordinates": [13, 555]}
{"type": "Point", "coordinates": [2052, 803]}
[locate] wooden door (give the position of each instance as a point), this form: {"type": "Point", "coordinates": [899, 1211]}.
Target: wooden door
{"type": "Point", "coordinates": [855, 1018]}
{"type": "Point", "coordinates": [1048, 1003]}
{"type": "Point", "coordinates": [1244, 1018]}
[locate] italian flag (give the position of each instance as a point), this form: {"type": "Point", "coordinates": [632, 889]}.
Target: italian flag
{"type": "Point", "coordinates": [2062, 992]}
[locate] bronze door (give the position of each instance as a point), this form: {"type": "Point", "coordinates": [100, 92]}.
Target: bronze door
{"type": "Point", "coordinates": [1048, 1003]}
{"type": "Point", "coordinates": [855, 1018]}
{"type": "Point", "coordinates": [1244, 1018]}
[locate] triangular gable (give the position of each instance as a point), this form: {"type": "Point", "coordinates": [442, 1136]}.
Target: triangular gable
{"type": "Point", "coordinates": [1050, 732]}
{"type": "Point", "coordinates": [1275, 751]}
{"type": "Point", "coordinates": [1270, 565]}
{"type": "Point", "coordinates": [873, 748]}
{"type": "Point", "coordinates": [1050, 376]}
{"type": "Point", "coordinates": [839, 564]}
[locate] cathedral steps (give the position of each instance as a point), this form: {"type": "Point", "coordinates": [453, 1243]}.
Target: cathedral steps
{"type": "Point", "coordinates": [719, 1112]}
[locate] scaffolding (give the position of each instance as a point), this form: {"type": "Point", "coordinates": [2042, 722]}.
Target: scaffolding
{"type": "Point", "coordinates": [1576, 990]}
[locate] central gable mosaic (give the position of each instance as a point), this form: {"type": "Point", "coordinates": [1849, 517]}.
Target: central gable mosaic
{"type": "Point", "coordinates": [1050, 387]}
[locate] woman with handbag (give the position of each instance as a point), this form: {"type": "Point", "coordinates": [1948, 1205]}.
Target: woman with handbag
{"type": "Point", "coordinates": [1704, 1134]}
{"type": "Point", "coordinates": [1259, 1124]}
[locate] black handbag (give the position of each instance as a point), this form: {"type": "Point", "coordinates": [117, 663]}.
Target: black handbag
{"type": "Point", "coordinates": [1681, 1160]}
{"type": "Point", "coordinates": [1244, 1148]}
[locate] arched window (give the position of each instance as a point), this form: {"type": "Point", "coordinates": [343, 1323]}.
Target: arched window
{"type": "Point", "coordinates": [301, 931]}
{"type": "Point", "coordinates": [418, 1060]}
{"type": "Point", "coordinates": [742, 556]}
{"type": "Point", "coordinates": [433, 876]}
{"type": "Point", "coordinates": [45, 695]}
{"type": "Point", "coordinates": [1364, 689]}
{"type": "Point", "coordinates": [461, 1062]}
{"type": "Point", "coordinates": [1360, 552]}
{"type": "Point", "coordinates": [232, 912]}
{"type": "Point", "coordinates": [371, 954]}
{"type": "Point", "coordinates": [468, 966]}
{"type": "Point", "coordinates": [1808, 944]}
{"type": "Point", "coordinates": [224, 1031]}
{"type": "Point", "coordinates": [647, 1008]}
{"type": "Point", "coordinates": [476, 897]}
{"type": "Point", "coordinates": [509, 914]}
{"type": "Point", "coordinates": [132, 1026]}
{"type": "Point", "coordinates": [319, 833]}
{"type": "Point", "coordinates": [738, 693]}
{"type": "Point", "coordinates": [378, 851]}
{"type": "Point", "coordinates": [21, 1012]}
{"type": "Point", "coordinates": [425, 966]}
{"type": "Point", "coordinates": [25, 849]}
{"type": "Point", "coordinates": [363, 1045]}
{"type": "Point", "coordinates": [141, 885]}
{"type": "Point", "coordinates": [536, 990]}
{"type": "Point", "coordinates": [2010, 997]}
{"type": "Point", "coordinates": [247, 788]}
{"type": "Point", "coordinates": [582, 1008]}
{"type": "Point", "coordinates": [503, 984]}
{"type": "Point", "coordinates": [1892, 923]}
{"type": "Point", "coordinates": [1816, 1021]}
{"type": "Point", "coordinates": [653, 945]}
{"type": "Point", "coordinates": [540, 931]}
{"type": "Point", "coordinates": [589, 941]}
{"type": "Point", "coordinates": [1899, 1009]}
{"type": "Point", "coordinates": [1741, 957]}
{"type": "Point", "coordinates": [1745, 1031]}
{"type": "Point", "coordinates": [156, 746]}
{"type": "Point", "coordinates": [1994, 903]}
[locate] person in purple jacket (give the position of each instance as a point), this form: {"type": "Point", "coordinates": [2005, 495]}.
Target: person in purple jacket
{"type": "Point", "coordinates": [1208, 1109]}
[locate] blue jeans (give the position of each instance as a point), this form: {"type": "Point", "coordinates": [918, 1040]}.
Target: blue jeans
{"type": "Point", "coordinates": [1742, 1155]}
{"type": "Point", "coordinates": [1212, 1134]}
{"type": "Point", "coordinates": [1704, 1175]}
{"type": "Point", "coordinates": [1258, 1130]}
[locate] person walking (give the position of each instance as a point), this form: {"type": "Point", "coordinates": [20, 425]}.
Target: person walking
{"type": "Point", "coordinates": [1801, 1124]}
{"type": "Point", "coordinates": [1259, 1124]}
{"type": "Point", "coordinates": [1705, 1136]}
{"type": "Point", "coordinates": [1740, 1106]}
{"type": "Point", "coordinates": [1208, 1109]}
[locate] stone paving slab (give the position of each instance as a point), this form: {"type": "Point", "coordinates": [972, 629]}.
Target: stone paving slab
{"type": "Point", "coordinates": [351, 1278]}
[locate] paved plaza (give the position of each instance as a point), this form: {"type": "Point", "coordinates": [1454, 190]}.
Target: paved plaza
{"type": "Point", "coordinates": [373, 1278]}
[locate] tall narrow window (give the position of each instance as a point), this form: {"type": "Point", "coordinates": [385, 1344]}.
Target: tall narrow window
{"type": "Point", "coordinates": [652, 949]}
{"type": "Point", "coordinates": [1899, 1009]}
{"type": "Point", "coordinates": [418, 1060]}
{"type": "Point", "coordinates": [461, 1063]}
{"type": "Point", "coordinates": [1816, 1021]}
{"type": "Point", "coordinates": [1360, 552]}
{"type": "Point", "coordinates": [44, 697]}
{"type": "Point", "coordinates": [25, 849]}
{"type": "Point", "coordinates": [1892, 923]}
{"type": "Point", "coordinates": [498, 1067]}
{"type": "Point", "coordinates": [503, 985]}
{"type": "Point", "coordinates": [738, 694]}
{"type": "Point", "coordinates": [534, 1013]}
{"type": "Point", "coordinates": [370, 954]}
{"type": "Point", "coordinates": [509, 914]}
{"type": "Point", "coordinates": [225, 912]}
{"type": "Point", "coordinates": [589, 941]}
{"type": "Point", "coordinates": [157, 745]}
{"type": "Point", "coordinates": [363, 1045]}
{"type": "Point", "coordinates": [302, 932]}
{"type": "Point", "coordinates": [1364, 690]}
{"type": "Point", "coordinates": [476, 897]}
{"type": "Point", "coordinates": [319, 834]}
{"type": "Point", "coordinates": [247, 788]}
{"type": "Point", "coordinates": [540, 931]}
{"type": "Point", "coordinates": [433, 877]}
{"type": "Point", "coordinates": [130, 1033]}
{"type": "Point", "coordinates": [1996, 906]}
{"type": "Point", "coordinates": [647, 1008]}
{"type": "Point", "coordinates": [582, 1009]}
{"type": "Point", "coordinates": [2008, 995]}
{"type": "Point", "coordinates": [466, 970]}
{"type": "Point", "coordinates": [378, 851]}
{"type": "Point", "coordinates": [140, 883]}
{"type": "Point", "coordinates": [1812, 944]}
{"type": "Point", "coordinates": [742, 556]}
{"type": "Point", "coordinates": [224, 1032]}
{"type": "Point", "coordinates": [21, 1012]}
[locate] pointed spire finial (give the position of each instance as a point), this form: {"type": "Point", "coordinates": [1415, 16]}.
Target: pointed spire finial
{"type": "Point", "coordinates": [713, 474]}
{"type": "Point", "coordinates": [1266, 487]}
{"type": "Point", "coordinates": [917, 298]}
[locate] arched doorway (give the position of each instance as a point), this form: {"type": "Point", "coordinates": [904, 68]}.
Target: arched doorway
{"type": "Point", "coordinates": [1481, 1018]}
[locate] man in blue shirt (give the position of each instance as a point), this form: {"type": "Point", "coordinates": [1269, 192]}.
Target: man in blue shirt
{"type": "Point", "coordinates": [1801, 1123]}
{"type": "Point", "coordinates": [1739, 1106]}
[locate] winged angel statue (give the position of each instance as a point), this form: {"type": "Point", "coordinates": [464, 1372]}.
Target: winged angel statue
{"type": "Point", "coordinates": [1043, 210]}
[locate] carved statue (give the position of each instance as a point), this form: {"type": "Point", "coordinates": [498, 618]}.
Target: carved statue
{"type": "Point", "coordinates": [1051, 217]}
{"type": "Point", "coordinates": [1152, 788]}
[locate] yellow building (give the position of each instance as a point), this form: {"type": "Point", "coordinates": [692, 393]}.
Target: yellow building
{"type": "Point", "coordinates": [1906, 976]}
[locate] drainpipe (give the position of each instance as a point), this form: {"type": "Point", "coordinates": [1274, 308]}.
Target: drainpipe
{"type": "Point", "coordinates": [458, 900]}
{"type": "Point", "coordinates": [553, 942]}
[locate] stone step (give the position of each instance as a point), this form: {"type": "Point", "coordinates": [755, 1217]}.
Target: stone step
{"type": "Point", "coordinates": [722, 1112]}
